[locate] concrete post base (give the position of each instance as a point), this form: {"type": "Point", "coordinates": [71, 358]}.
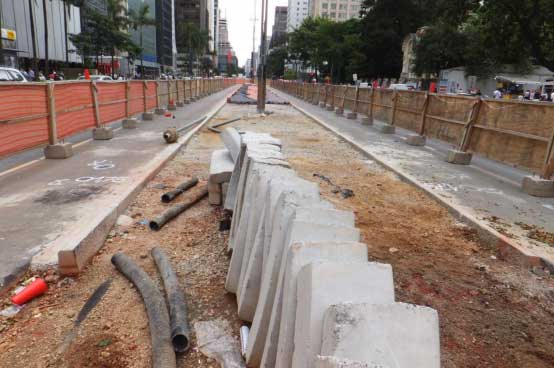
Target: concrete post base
{"type": "Point", "coordinates": [58, 151]}
{"type": "Point", "coordinates": [339, 111]}
{"type": "Point", "coordinates": [130, 123]}
{"type": "Point", "coordinates": [387, 129]}
{"type": "Point", "coordinates": [187, 102]}
{"type": "Point", "coordinates": [367, 121]}
{"type": "Point", "coordinates": [458, 157]}
{"type": "Point", "coordinates": [351, 116]}
{"type": "Point", "coordinates": [147, 116]}
{"type": "Point", "coordinates": [538, 187]}
{"type": "Point", "coordinates": [315, 103]}
{"type": "Point", "coordinates": [322, 105]}
{"type": "Point", "coordinates": [172, 107]}
{"type": "Point", "coordinates": [159, 111]}
{"type": "Point", "coordinates": [194, 99]}
{"type": "Point", "coordinates": [102, 134]}
{"type": "Point", "coordinates": [330, 108]}
{"type": "Point", "coordinates": [416, 140]}
{"type": "Point", "coordinates": [180, 104]}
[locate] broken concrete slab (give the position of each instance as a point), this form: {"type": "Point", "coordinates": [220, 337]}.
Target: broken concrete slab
{"type": "Point", "coordinates": [285, 231]}
{"type": "Point", "coordinates": [102, 133]}
{"type": "Point", "coordinates": [130, 123]}
{"type": "Point", "coordinates": [221, 167]}
{"type": "Point", "coordinates": [299, 255]}
{"type": "Point", "coordinates": [334, 362]}
{"type": "Point", "coordinates": [321, 285]}
{"type": "Point", "coordinates": [147, 116]}
{"type": "Point", "coordinates": [393, 335]}
{"type": "Point", "coordinates": [231, 139]}
{"type": "Point", "coordinates": [260, 138]}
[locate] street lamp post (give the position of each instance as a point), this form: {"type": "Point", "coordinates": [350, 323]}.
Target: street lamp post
{"type": "Point", "coordinates": [262, 76]}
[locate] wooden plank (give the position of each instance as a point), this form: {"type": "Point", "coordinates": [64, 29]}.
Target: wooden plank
{"type": "Point", "coordinates": [371, 104]}
{"type": "Point", "coordinates": [144, 96]}
{"type": "Point", "coordinates": [446, 120]}
{"type": "Point", "coordinates": [51, 101]}
{"type": "Point", "coordinates": [424, 115]}
{"type": "Point", "coordinates": [23, 119]}
{"type": "Point", "coordinates": [394, 105]}
{"type": "Point", "coordinates": [468, 130]}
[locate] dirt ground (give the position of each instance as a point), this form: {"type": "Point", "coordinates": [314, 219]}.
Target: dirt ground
{"type": "Point", "coordinates": [492, 314]}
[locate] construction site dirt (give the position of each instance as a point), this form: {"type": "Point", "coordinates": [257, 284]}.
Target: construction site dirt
{"type": "Point", "coordinates": [492, 313]}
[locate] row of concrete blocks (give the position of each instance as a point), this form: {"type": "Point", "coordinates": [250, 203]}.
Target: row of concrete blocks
{"type": "Point", "coordinates": [303, 279]}
{"type": "Point", "coordinates": [104, 133]}
{"type": "Point", "coordinates": [532, 185]}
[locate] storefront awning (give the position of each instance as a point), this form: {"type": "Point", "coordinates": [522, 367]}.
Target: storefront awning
{"type": "Point", "coordinates": [522, 80]}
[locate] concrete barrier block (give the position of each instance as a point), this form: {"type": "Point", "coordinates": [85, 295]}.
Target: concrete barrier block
{"type": "Point", "coordinates": [322, 105]}
{"type": "Point", "coordinates": [320, 212]}
{"type": "Point", "coordinates": [297, 256]}
{"type": "Point", "coordinates": [180, 104]}
{"type": "Point", "coordinates": [130, 123]}
{"type": "Point", "coordinates": [231, 139]}
{"type": "Point", "coordinates": [339, 111]}
{"type": "Point", "coordinates": [221, 166]}
{"type": "Point", "coordinates": [320, 285]}
{"type": "Point", "coordinates": [458, 157]}
{"type": "Point", "coordinates": [238, 183]}
{"type": "Point", "coordinates": [538, 187]}
{"type": "Point", "coordinates": [352, 116]}
{"type": "Point", "coordinates": [285, 231]}
{"type": "Point", "coordinates": [392, 335]}
{"type": "Point", "coordinates": [187, 101]}
{"type": "Point", "coordinates": [334, 362]}
{"type": "Point", "coordinates": [387, 129]}
{"type": "Point", "coordinates": [246, 218]}
{"type": "Point", "coordinates": [367, 121]}
{"type": "Point", "coordinates": [160, 111]}
{"type": "Point", "coordinates": [102, 133]}
{"type": "Point", "coordinates": [147, 116]}
{"type": "Point", "coordinates": [416, 140]}
{"type": "Point", "coordinates": [172, 107]}
{"type": "Point", "coordinates": [58, 151]}
{"type": "Point", "coordinates": [330, 108]}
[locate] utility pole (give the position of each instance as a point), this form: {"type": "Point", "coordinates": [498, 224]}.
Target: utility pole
{"type": "Point", "coordinates": [261, 76]}
{"type": "Point", "coordinates": [252, 61]}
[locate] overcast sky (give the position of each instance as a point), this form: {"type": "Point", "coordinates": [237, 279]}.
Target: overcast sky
{"type": "Point", "coordinates": [239, 17]}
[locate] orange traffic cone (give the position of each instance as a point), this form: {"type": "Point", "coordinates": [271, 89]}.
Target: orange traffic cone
{"type": "Point", "coordinates": [34, 289]}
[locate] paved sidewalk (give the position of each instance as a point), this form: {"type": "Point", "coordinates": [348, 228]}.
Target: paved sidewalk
{"type": "Point", "coordinates": [70, 205]}
{"type": "Point", "coordinates": [485, 194]}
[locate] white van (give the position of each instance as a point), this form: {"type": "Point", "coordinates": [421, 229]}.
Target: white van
{"type": "Point", "coordinates": [11, 75]}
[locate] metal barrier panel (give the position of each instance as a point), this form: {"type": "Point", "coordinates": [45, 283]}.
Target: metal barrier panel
{"type": "Point", "coordinates": [111, 99]}
{"type": "Point", "coordinates": [409, 107]}
{"type": "Point", "coordinates": [136, 97]}
{"type": "Point", "coordinates": [382, 105]}
{"type": "Point", "coordinates": [74, 110]}
{"type": "Point", "coordinates": [151, 95]}
{"type": "Point", "coordinates": [447, 116]}
{"type": "Point", "coordinates": [23, 117]}
{"type": "Point", "coordinates": [517, 133]}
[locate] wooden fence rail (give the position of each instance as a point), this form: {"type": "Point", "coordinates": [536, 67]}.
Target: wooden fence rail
{"type": "Point", "coordinates": [518, 133]}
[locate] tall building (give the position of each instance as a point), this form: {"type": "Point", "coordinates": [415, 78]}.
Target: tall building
{"type": "Point", "coordinates": [164, 33]}
{"type": "Point", "coordinates": [16, 41]}
{"type": "Point", "coordinates": [279, 27]}
{"type": "Point", "coordinates": [225, 52]}
{"type": "Point", "coordinates": [298, 10]}
{"type": "Point", "coordinates": [149, 39]}
{"type": "Point", "coordinates": [337, 10]}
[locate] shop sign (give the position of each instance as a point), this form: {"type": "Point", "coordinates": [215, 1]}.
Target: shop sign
{"type": "Point", "coordinates": [8, 34]}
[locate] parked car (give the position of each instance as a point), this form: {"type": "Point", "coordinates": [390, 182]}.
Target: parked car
{"type": "Point", "coordinates": [11, 75]}
{"type": "Point", "coordinates": [97, 77]}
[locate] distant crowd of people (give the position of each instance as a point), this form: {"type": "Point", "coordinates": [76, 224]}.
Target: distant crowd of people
{"type": "Point", "coordinates": [528, 95]}
{"type": "Point", "coordinates": [31, 76]}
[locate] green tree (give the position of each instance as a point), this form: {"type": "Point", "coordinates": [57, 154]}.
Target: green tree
{"type": "Point", "coordinates": [140, 19]}
{"type": "Point", "coordinates": [276, 60]}
{"type": "Point", "coordinates": [194, 40]}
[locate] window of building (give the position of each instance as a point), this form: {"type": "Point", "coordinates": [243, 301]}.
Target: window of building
{"type": "Point", "coordinates": [324, 6]}
{"type": "Point", "coordinates": [333, 15]}
{"type": "Point", "coordinates": [333, 6]}
{"type": "Point", "coordinates": [342, 6]}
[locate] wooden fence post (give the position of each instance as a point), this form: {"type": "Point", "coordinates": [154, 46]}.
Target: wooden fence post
{"type": "Point", "coordinates": [144, 96]}
{"type": "Point", "coordinates": [95, 107]}
{"type": "Point", "coordinates": [371, 104]}
{"type": "Point", "coordinates": [548, 167]}
{"type": "Point", "coordinates": [52, 124]}
{"type": "Point", "coordinates": [344, 90]}
{"type": "Point", "coordinates": [127, 98]}
{"type": "Point", "coordinates": [394, 105]}
{"type": "Point", "coordinates": [177, 90]}
{"type": "Point", "coordinates": [468, 130]}
{"type": "Point", "coordinates": [157, 95]}
{"type": "Point", "coordinates": [169, 94]}
{"type": "Point", "coordinates": [356, 97]}
{"type": "Point", "coordinates": [424, 114]}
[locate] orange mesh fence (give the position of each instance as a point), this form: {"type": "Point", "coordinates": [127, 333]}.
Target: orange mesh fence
{"type": "Point", "coordinates": [136, 97]}
{"type": "Point", "coordinates": [23, 117]}
{"type": "Point", "coordinates": [151, 100]}
{"type": "Point", "coordinates": [74, 110]}
{"type": "Point", "coordinates": [111, 98]}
